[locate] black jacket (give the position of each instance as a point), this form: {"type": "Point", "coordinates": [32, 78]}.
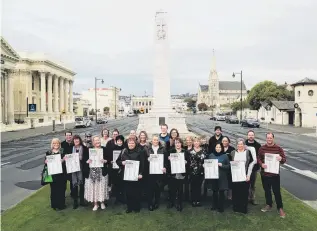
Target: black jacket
{"type": "Point", "coordinates": [134, 154]}
{"type": "Point", "coordinates": [256, 146]}
{"type": "Point", "coordinates": [212, 143]}
{"type": "Point", "coordinates": [169, 167]}
{"type": "Point", "coordinates": [67, 147]}
{"type": "Point", "coordinates": [61, 176]}
{"type": "Point", "coordinates": [161, 150]}
{"type": "Point", "coordinates": [86, 169]}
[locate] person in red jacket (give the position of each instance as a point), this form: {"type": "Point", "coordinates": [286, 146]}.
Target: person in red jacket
{"type": "Point", "coordinates": [271, 181]}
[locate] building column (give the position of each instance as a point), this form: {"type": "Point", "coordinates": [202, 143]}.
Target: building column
{"type": "Point", "coordinates": [66, 95]}
{"type": "Point", "coordinates": [71, 110]}
{"type": "Point", "coordinates": [10, 98]}
{"type": "Point", "coordinates": [43, 89]}
{"type": "Point", "coordinates": [49, 93]}
{"type": "Point", "coordinates": [61, 94]}
{"type": "Point", "coordinates": [6, 97]}
{"type": "Point", "coordinates": [2, 97]}
{"type": "Point", "coordinates": [56, 94]}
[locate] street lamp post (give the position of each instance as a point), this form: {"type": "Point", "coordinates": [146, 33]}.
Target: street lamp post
{"type": "Point", "coordinates": [241, 106]}
{"type": "Point", "coordinates": [96, 110]}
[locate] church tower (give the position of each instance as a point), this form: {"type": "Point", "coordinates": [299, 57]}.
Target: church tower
{"type": "Point", "coordinates": [213, 84]}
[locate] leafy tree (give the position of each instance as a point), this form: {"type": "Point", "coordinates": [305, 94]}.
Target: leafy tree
{"type": "Point", "coordinates": [191, 103]}
{"type": "Point", "coordinates": [235, 106]}
{"type": "Point", "coordinates": [202, 107]}
{"type": "Point", "coordinates": [267, 91]}
{"type": "Point", "coordinates": [106, 110]}
{"type": "Point", "coordinates": [92, 112]}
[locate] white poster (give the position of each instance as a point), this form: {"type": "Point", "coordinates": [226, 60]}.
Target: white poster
{"type": "Point", "coordinates": [131, 170]}
{"type": "Point", "coordinates": [211, 169]}
{"type": "Point", "coordinates": [115, 154]}
{"type": "Point", "coordinates": [273, 165]}
{"type": "Point", "coordinates": [72, 162]}
{"type": "Point", "coordinates": [54, 164]}
{"type": "Point", "coordinates": [238, 171]}
{"type": "Point", "coordinates": [177, 163]}
{"type": "Point", "coordinates": [156, 163]}
{"type": "Point", "coordinates": [96, 155]}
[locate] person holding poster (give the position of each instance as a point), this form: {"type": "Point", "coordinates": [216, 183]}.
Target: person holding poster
{"type": "Point", "coordinates": [59, 180]}
{"type": "Point", "coordinates": [154, 180]}
{"type": "Point", "coordinates": [271, 181]}
{"type": "Point", "coordinates": [77, 179]}
{"type": "Point", "coordinates": [132, 188]}
{"type": "Point", "coordinates": [143, 145]}
{"type": "Point", "coordinates": [117, 181]}
{"type": "Point", "coordinates": [96, 179]}
{"type": "Point", "coordinates": [228, 149]}
{"type": "Point", "coordinates": [221, 184]}
{"type": "Point", "coordinates": [240, 190]}
{"type": "Point", "coordinates": [176, 181]}
{"type": "Point", "coordinates": [196, 171]}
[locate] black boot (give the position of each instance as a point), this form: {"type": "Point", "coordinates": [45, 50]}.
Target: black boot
{"type": "Point", "coordinates": [75, 205]}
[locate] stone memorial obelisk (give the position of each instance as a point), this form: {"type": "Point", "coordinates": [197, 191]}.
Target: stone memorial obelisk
{"type": "Point", "coordinates": [162, 112]}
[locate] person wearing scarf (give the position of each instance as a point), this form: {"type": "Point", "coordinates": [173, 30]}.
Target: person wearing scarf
{"type": "Point", "coordinates": [96, 182]}
{"type": "Point", "coordinates": [228, 149]}
{"type": "Point", "coordinates": [77, 178]}
{"type": "Point", "coordinates": [132, 188]}
{"type": "Point", "coordinates": [219, 185]}
{"type": "Point", "coordinates": [59, 180]}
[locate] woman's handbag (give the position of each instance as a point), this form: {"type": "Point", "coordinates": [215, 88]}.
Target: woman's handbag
{"type": "Point", "coordinates": [46, 179]}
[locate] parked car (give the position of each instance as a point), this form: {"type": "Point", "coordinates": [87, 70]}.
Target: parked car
{"type": "Point", "coordinates": [212, 118]}
{"type": "Point", "coordinates": [102, 121]}
{"type": "Point", "coordinates": [220, 117]}
{"type": "Point", "coordinates": [232, 120]}
{"type": "Point", "coordinates": [82, 122]}
{"type": "Point", "coordinates": [250, 122]}
{"type": "Point", "coordinates": [130, 114]}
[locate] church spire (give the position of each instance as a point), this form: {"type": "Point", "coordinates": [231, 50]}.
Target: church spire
{"type": "Point", "coordinates": [213, 62]}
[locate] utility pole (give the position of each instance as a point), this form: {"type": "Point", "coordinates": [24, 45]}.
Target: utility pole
{"type": "Point", "coordinates": [96, 110]}
{"type": "Point", "coordinates": [115, 100]}
{"type": "Point", "coordinates": [241, 103]}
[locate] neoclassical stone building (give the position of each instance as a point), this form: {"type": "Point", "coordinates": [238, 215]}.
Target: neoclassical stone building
{"type": "Point", "coordinates": [34, 79]}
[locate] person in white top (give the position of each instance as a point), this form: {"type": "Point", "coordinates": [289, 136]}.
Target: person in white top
{"type": "Point", "coordinates": [104, 137]}
{"type": "Point", "coordinates": [240, 190]}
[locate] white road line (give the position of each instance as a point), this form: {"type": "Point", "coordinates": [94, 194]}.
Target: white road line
{"type": "Point", "coordinates": [315, 153]}
{"type": "Point", "coordinates": [5, 163]}
{"type": "Point", "coordinates": [306, 173]}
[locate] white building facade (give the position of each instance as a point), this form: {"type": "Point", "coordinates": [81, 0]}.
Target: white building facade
{"type": "Point", "coordinates": [140, 103]}
{"type": "Point", "coordinates": [305, 103]}
{"type": "Point", "coordinates": [106, 97]}
{"type": "Point", "coordinates": [34, 79]}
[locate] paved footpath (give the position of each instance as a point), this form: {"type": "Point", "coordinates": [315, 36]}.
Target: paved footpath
{"type": "Point", "coordinates": [290, 129]}
{"type": "Point", "coordinates": [27, 133]}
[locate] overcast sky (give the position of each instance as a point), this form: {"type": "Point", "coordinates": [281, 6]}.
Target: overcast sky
{"type": "Point", "coordinates": [268, 39]}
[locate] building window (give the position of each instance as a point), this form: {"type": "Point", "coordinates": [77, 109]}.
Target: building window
{"type": "Point", "coordinates": [146, 103]}
{"type": "Point", "coordinates": [142, 103]}
{"type": "Point", "coordinates": [298, 93]}
{"type": "Point", "coordinates": [310, 92]}
{"type": "Point", "coordinates": [150, 103]}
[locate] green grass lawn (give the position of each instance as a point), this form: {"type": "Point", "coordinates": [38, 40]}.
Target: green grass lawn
{"type": "Point", "coordinates": [35, 214]}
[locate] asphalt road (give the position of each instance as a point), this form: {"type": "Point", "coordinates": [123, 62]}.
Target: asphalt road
{"type": "Point", "coordinates": [22, 161]}
{"type": "Point", "coordinates": [298, 175]}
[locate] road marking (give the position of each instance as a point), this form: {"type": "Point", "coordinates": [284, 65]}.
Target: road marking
{"type": "Point", "coordinates": [5, 163]}
{"type": "Point", "coordinates": [306, 173]}
{"type": "Point", "coordinates": [315, 153]}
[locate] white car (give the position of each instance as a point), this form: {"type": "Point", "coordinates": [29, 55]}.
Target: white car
{"type": "Point", "coordinates": [130, 114]}
{"type": "Point", "coordinates": [82, 122]}
{"type": "Point", "coordinates": [220, 117]}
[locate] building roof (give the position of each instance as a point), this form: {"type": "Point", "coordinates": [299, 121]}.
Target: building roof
{"type": "Point", "coordinates": [231, 85]}
{"type": "Point", "coordinates": [283, 105]}
{"type": "Point", "coordinates": [226, 86]}
{"type": "Point", "coordinates": [305, 81]}
{"type": "Point", "coordinates": [204, 87]}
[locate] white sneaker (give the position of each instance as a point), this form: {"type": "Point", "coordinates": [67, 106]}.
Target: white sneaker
{"type": "Point", "coordinates": [103, 206]}
{"type": "Point", "coordinates": [95, 208]}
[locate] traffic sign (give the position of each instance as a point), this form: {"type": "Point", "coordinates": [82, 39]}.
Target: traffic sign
{"type": "Point", "coordinates": [32, 107]}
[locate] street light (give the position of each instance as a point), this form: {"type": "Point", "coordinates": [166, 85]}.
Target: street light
{"type": "Point", "coordinates": [234, 75]}
{"type": "Point", "coordinates": [96, 110]}
{"type": "Point", "coordinates": [115, 100]}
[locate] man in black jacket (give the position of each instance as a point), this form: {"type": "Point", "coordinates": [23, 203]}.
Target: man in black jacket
{"type": "Point", "coordinates": [67, 146]}
{"type": "Point", "coordinates": [217, 138]}
{"type": "Point", "coordinates": [253, 143]}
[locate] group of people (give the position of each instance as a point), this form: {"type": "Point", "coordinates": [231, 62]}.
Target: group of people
{"type": "Point", "coordinates": [95, 185]}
